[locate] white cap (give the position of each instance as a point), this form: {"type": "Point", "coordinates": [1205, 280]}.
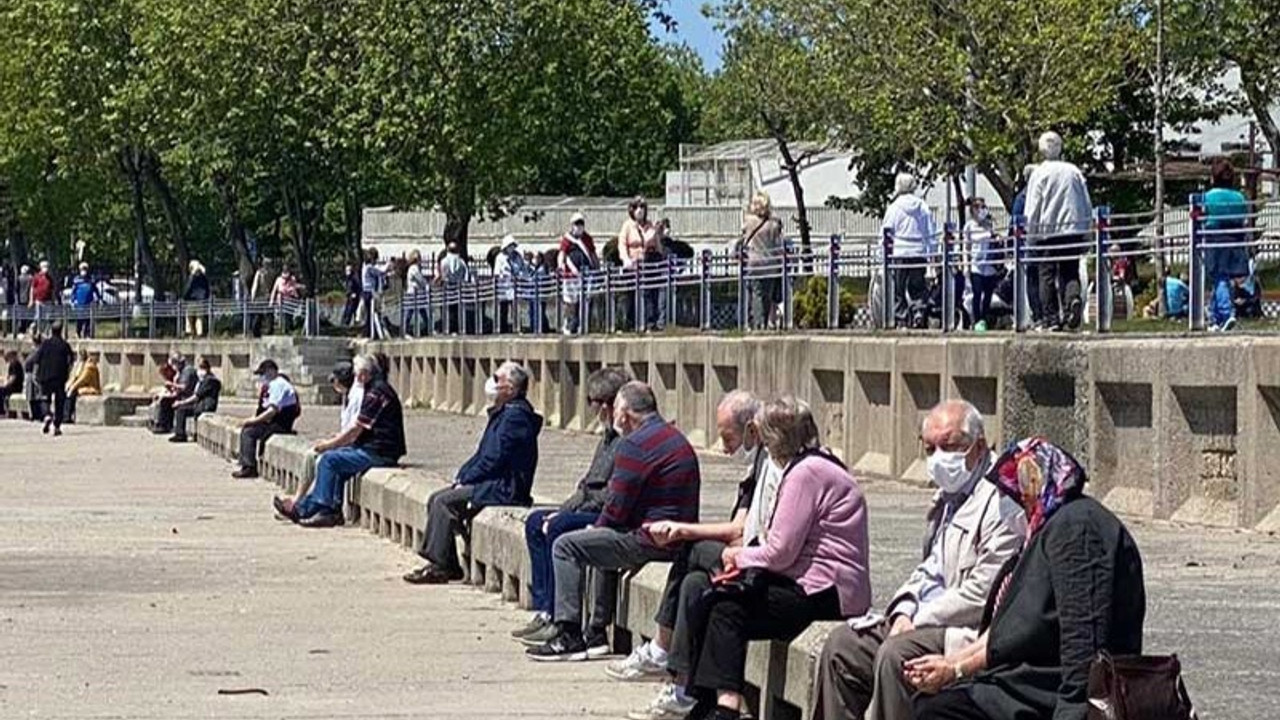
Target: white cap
{"type": "Point", "coordinates": [508, 241]}
{"type": "Point", "coordinates": [578, 218]}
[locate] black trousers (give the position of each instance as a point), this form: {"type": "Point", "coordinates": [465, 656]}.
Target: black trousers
{"type": "Point", "coordinates": [950, 704]}
{"type": "Point", "coordinates": [1059, 276]}
{"type": "Point", "coordinates": [908, 286]}
{"type": "Point", "coordinates": [349, 310]}
{"type": "Point", "coordinates": [687, 581]}
{"type": "Point", "coordinates": [56, 407]}
{"type": "Point", "coordinates": [250, 437]}
{"type": "Point", "coordinates": [180, 417]}
{"type": "Point", "coordinates": [448, 510]}
{"type": "Point", "coordinates": [164, 415]}
{"type": "Point", "coordinates": [775, 608]}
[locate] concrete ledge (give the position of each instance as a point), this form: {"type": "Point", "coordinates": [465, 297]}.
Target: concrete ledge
{"type": "Point", "coordinates": [391, 503]}
{"type": "Point", "coordinates": [108, 409]}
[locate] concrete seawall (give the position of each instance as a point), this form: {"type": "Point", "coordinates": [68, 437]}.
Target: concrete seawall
{"type": "Point", "coordinates": [1170, 428]}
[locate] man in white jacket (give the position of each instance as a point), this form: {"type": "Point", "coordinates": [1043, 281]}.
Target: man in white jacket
{"type": "Point", "coordinates": [1059, 216]}
{"type": "Point", "coordinates": [972, 531]}
{"type": "Point", "coordinates": [914, 233]}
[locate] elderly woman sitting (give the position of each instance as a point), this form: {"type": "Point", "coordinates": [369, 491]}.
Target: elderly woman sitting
{"type": "Point", "coordinates": [1075, 589]}
{"type": "Point", "coordinates": [813, 566]}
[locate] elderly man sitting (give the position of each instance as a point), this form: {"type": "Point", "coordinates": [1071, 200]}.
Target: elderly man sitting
{"type": "Point", "coordinates": [972, 531]}
{"type": "Point", "coordinates": [179, 388]}
{"type": "Point", "coordinates": [375, 440]}
{"type": "Point", "coordinates": [500, 473]}
{"type": "Point", "coordinates": [655, 478]}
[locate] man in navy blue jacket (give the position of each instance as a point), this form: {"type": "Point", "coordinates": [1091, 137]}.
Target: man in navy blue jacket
{"type": "Point", "coordinates": [500, 473]}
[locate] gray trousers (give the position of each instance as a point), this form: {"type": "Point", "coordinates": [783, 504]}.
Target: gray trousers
{"type": "Point", "coordinates": [447, 511]}
{"type": "Point", "coordinates": [605, 550]}
{"type": "Point", "coordinates": [860, 671]}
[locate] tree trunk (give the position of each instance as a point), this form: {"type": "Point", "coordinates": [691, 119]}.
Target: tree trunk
{"type": "Point", "coordinates": [236, 232]}
{"type": "Point", "coordinates": [130, 164]}
{"type": "Point", "coordinates": [459, 208]}
{"type": "Point", "coordinates": [1260, 103]}
{"type": "Point", "coordinates": [353, 219]}
{"type": "Point", "coordinates": [301, 237]}
{"type": "Point", "coordinates": [172, 212]}
{"type": "Point", "coordinates": [15, 239]}
{"type": "Point", "coordinates": [792, 165]}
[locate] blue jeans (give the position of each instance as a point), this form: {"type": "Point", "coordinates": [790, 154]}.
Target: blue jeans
{"type": "Point", "coordinates": [1222, 308]}
{"type": "Point", "coordinates": [333, 469]}
{"type": "Point", "coordinates": [544, 578]}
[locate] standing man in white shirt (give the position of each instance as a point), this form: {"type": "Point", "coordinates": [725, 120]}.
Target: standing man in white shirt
{"type": "Point", "coordinates": [914, 233]}
{"type": "Point", "coordinates": [1059, 215]}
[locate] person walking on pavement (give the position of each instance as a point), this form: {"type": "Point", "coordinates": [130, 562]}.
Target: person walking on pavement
{"type": "Point", "coordinates": [53, 363]}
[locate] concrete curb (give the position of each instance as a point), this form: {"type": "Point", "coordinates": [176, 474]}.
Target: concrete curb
{"type": "Point", "coordinates": [391, 503]}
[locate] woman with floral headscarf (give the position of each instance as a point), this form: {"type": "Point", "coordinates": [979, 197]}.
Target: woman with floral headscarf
{"type": "Point", "coordinates": [1076, 588]}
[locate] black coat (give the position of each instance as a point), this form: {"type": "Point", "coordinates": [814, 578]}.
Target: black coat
{"type": "Point", "coordinates": [53, 361]}
{"type": "Point", "coordinates": [1076, 589]}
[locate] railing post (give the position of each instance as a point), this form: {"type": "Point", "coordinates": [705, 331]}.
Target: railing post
{"type": "Point", "coordinates": [787, 309]}
{"type": "Point", "coordinates": [888, 318]}
{"type": "Point", "coordinates": [670, 305]}
{"type": "Point", "coordinates": [560, 325]}
{"type": "Point", "coordinates": [1195, 263]}
{"type": "Point", "coordinates": [948, 279]}
{"type": "Point", "coordinates": [1019, 274]}
{"type": "Point", "coordinates": [208, 304]}
{"type": "Point", "coordinates": [151, 321]}
{"type": "Point", "coordinates": [704, 290]}
{"type": "Point", "coordinates": [585, 280]}
{"type": "Point", "coordinates": [833, 283]}
{"type": "Point", "coordinates": [744, 315]}
{"type": "Point", "coordinates": [610, 305]}
{"type": "Point", "coordinates": [1103, 300]}
{"type": "Point", "coordinates": [244, 315]}
{"type": "Point", "coordinates": [476, 307]}
{"type": "Point", "coordinates": [639, 316]}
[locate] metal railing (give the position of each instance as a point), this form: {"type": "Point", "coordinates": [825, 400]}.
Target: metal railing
{"type": "Point", "coordinates": [849, 283]}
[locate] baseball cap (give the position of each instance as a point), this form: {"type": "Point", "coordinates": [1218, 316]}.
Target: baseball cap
{"type": "Point", "coordinates": [267, 366]}
{"type": "Point", "coordinates": [578, 218]}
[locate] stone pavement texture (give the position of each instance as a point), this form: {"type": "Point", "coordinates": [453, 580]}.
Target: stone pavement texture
{"type": "Point", "coordinates": [137, 579]}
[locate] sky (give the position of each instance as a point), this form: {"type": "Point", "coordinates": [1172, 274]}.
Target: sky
{"type": "Point", "coordinates": [694, 29]}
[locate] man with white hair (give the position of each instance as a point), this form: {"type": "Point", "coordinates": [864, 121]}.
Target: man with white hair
{"type": "Point", "coordinates": [1059, 215]}
{"type": "Point", "coordinates": [499, 473]}
{"type": "Point", "coordinates": [972, 530]}
{"type": "Point", "coordinates": [910, 224]}
{"type": "Point", "coordinates": [375, 440]}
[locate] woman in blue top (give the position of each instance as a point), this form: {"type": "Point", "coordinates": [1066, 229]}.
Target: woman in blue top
{"type": "Point", "coordinates": [1226, 209]}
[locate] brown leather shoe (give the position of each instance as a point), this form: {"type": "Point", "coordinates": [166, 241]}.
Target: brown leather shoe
{"type": "Point", "coordinates": [432, 575]}
{"type": "Point", "coordinates": [284, 508]}
{"type": "Point", "coordinates": [244, 473]}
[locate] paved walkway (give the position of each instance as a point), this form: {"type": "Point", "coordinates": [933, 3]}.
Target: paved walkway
{"type": "Point", "coordinates": [137, 579]}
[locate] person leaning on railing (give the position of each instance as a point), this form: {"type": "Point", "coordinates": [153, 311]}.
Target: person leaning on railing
{"type": "Point", "coordinates": [1059, 215]}
{"type": "Point", "coordinates": [914, 233]}
{"type": "Point", "coordinates": [761, 240]}
{"type": "Point", "coordinates": [1225, 214]}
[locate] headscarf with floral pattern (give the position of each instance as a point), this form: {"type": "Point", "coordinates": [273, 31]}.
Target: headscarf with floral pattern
{"type": "Point", "coordinates": [1039, 476]}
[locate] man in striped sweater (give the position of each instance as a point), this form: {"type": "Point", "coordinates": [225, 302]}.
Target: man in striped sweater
{"type": "Point", "coordinates": [655, 477]}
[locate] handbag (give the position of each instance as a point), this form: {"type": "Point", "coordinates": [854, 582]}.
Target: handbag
{"type": "Point", "coordinates": [1138, 687]}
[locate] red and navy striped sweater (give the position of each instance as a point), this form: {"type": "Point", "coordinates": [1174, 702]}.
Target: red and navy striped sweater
{"type": "Point", "coordinates": [655, 477]}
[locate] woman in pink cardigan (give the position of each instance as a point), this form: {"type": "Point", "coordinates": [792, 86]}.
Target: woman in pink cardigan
{"type": "Point", "coordinates": [812, 566]}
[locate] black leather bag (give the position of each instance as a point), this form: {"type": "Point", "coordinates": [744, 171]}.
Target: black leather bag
{"type": "Point", "coordinates": [1138, 687]}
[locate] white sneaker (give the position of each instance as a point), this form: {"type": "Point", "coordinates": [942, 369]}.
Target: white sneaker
{"type": "Point", "coordinates": [636, 667]}
{"type": "Point", "coordinates": [667, 706]}
{"type": "Point", "coordinates": [1230, 324]}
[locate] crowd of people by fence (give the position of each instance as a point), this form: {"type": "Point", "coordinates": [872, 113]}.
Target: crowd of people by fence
{"type": "Point", "coordinates": [1059, 260]}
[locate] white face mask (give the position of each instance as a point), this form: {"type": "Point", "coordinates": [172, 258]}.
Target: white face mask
{"type": "Point", "coordinates": [576, 231]}
{"type": "Point", "coordinates": [202, 374]}
{"type": "Point", "coordinates": [982, 214]}
{"type": "Point", "coordinates": [491, 389]}
{"type": "Point", "coordinates": [641, 214]}
{"type": "Point", "coordinates": [948, 470]}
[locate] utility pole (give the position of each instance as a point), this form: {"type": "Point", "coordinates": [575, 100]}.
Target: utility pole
{"type": "Point", "coordinates": [1159, 143]}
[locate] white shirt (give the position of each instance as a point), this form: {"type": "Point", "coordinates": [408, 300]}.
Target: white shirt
{"type": "Point", "coordinates": [760, 514]}
{"type": "Point", "coordinates": [912, 225]}
{"type": "Point", "coordinates": [416, 282]}
{"type": "Point", "coordinates": [280, 394]}
{"type": "Point", "coordinates": [1057, 201]}
{"type": "Point", "coordinates": [351, 408]}
{"type": "Point", "coordinates": [977, 240]}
